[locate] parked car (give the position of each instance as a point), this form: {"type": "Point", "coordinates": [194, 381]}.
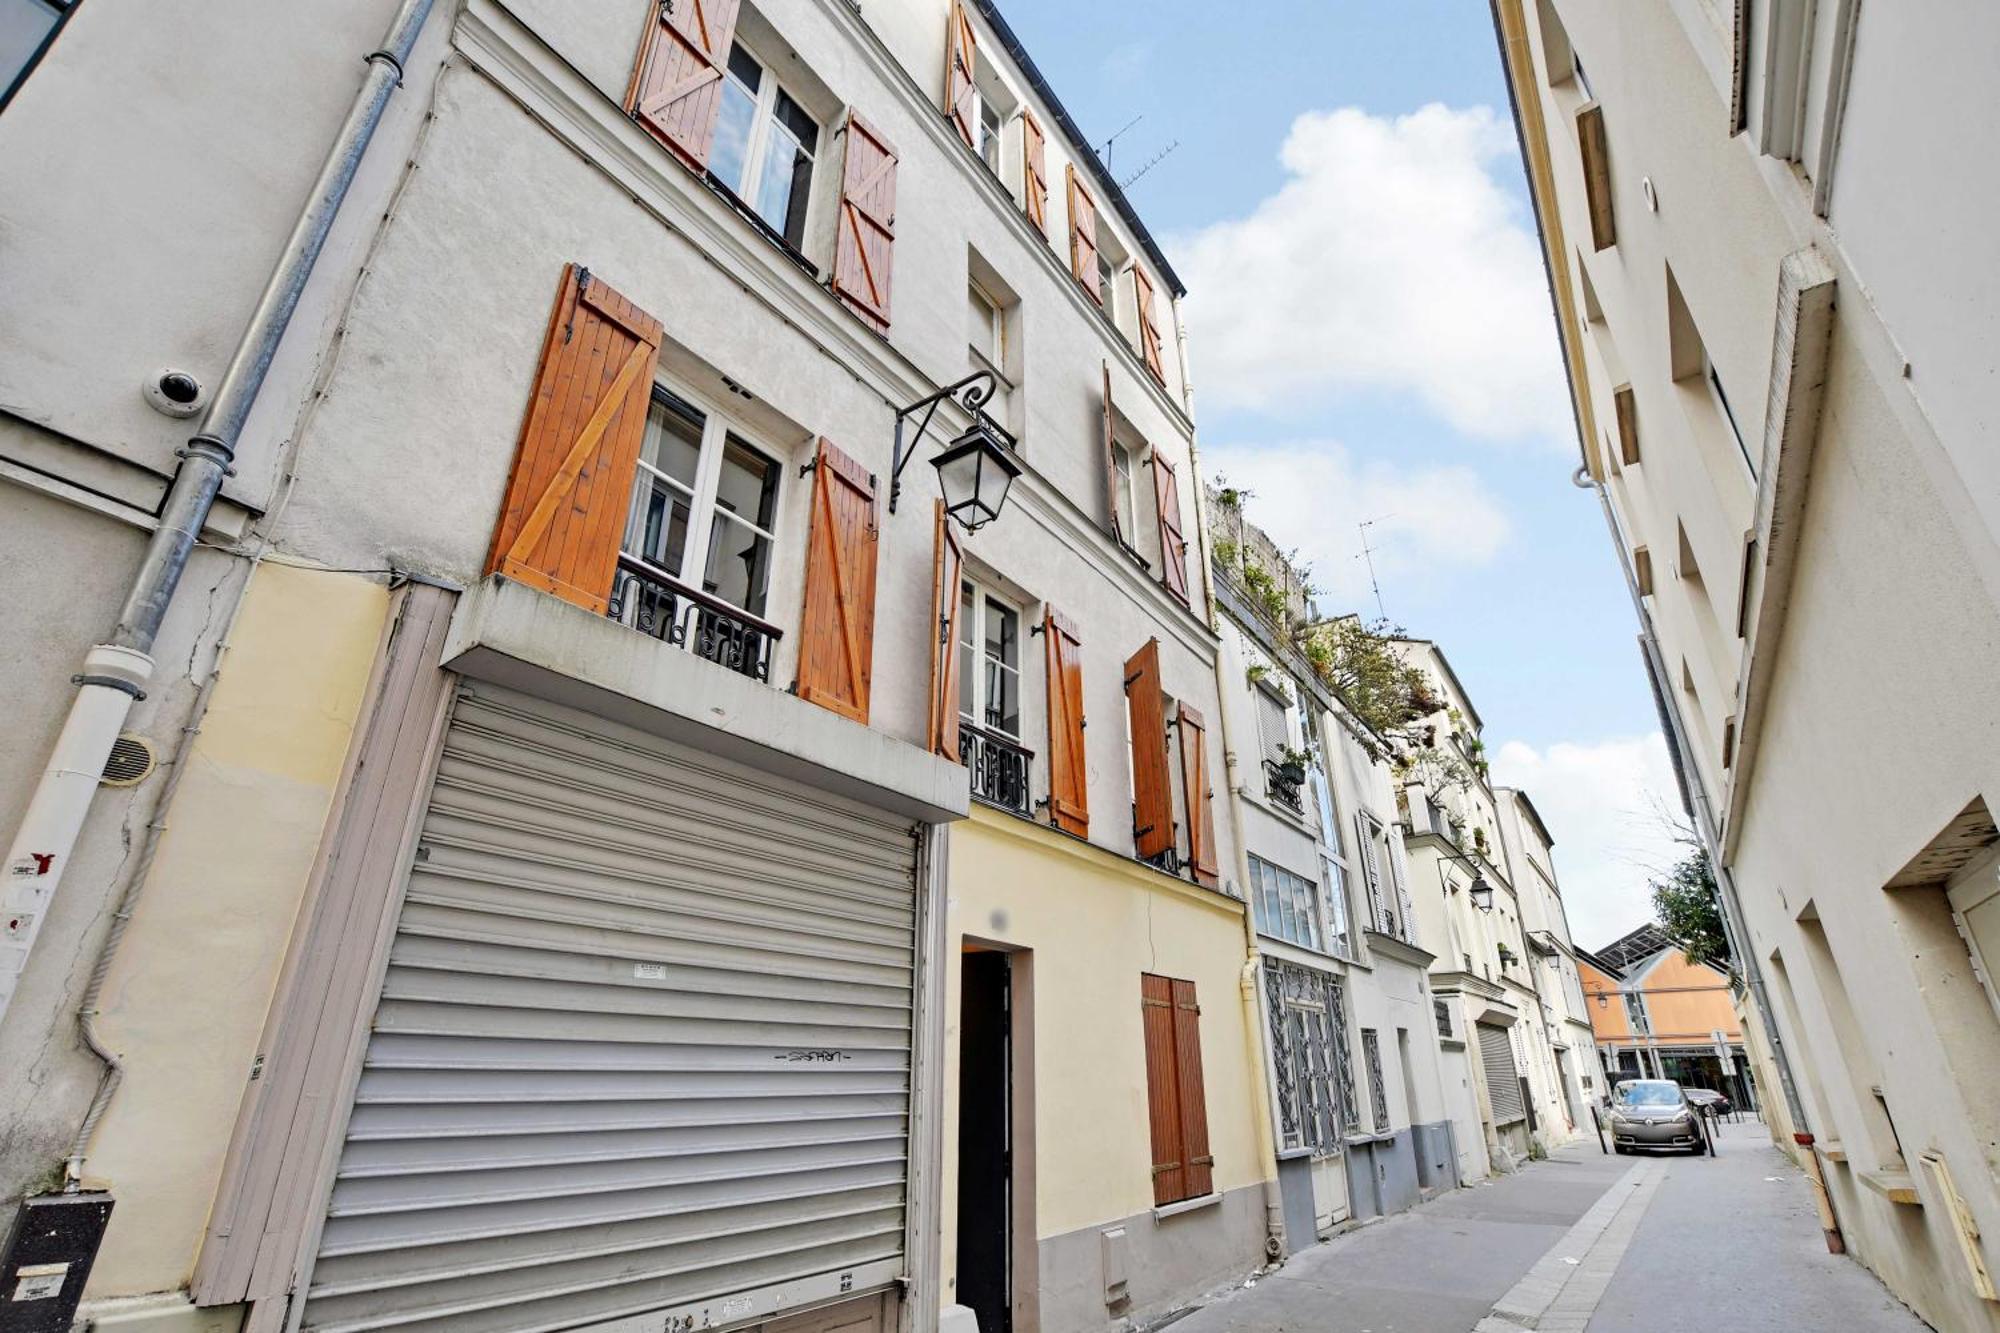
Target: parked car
{"type": "Point", "coordinates": [1707, 1100]}
{"type": "Point", "coordinates": [1650, 1113]}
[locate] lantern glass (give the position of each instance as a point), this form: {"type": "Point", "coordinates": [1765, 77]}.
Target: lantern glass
{"type": "Point", "coordinates": [1482, 893]}
{"type": "Point", "coordinates": [975, 473]}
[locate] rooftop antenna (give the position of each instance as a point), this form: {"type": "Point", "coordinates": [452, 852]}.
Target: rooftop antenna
{"type": "Point", "coordinates": [1148, 165]}
{"type": "Point", "coordinates": [1119, 135]}
{"type": "Point", "coordinates": [1368, 554]}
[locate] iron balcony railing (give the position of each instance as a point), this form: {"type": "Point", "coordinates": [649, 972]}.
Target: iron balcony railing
{"type": "Point", "coordinates": [1282, 782]}
{"type": "Point", "coordinates": [652, 601]}
{"type": "Point", "coordinates": [998, 766]}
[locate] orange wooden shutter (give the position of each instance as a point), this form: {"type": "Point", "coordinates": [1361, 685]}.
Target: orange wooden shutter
{"type": "Point", "coordinates": [1034, 173]}
{"type": "Point", "coordinates": [961, 96]}
{"type": "Point", "coordinates": [677, 88]}
{"type": "Point", "coordinates": [1083, 237]}
{"type": "Point", "coordinates": [863, 253]}
{"type": "Point", "coordinates": [948, 567]}
{"type": "Point", "coordinates": [1173, 546]}
{"type": "Point", "coordinates": [1111, 463]}
{"type": "Point", "coordinates": [1193, 1096]}
{"type": "Point", "coordinates": [563, 517]}
{"type": "Point", "coordinates": [1163, 1088]}
{"type": "Point", "coordinates": [1198, 795]}
{"type": "Point", "coordinates": [1152, 780]}
{"type": "Point", "coordinates": [1069, 803]}
{"type": "Point", "coordinates": [837, 628]}
{"type": "Point", "coordinates": [1149, 327]}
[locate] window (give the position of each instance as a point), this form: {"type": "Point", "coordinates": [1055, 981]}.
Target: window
{"type": "Point", "coordinates": [1315, 1087]}
{"type": "Point", "coordinates": [1635, 1012]}
{"type": "Point", "coordinates": [27, 28]}
{"type": "Point", "coordinates": [1729, 415]}
{"type": "Point", "coordinates": [1183, 1168]}
{"type": "Point", "coordinates": [1273, 724]}
{"type": "Point", "coordinates": [986, 327]}
{"type": "Point", "coordinates": [989, 134]}
{"type": "Point", "coordinates": [704, 504]}
{"type": "Point", "coordinates": [1107, 281]}
{"type": "Point", "coordinates": [764, 147]}
{"type": "Point", "coordinates": [989, 664]}
{"type": "Point", "coordinates": [1378, 1094]}
{"type": "Point", "coordinates": [1333, 865]}
{"type": "Point", "coordinates": [1283, 904]}
{"type": "Point", "coordinates": [1125, 498]}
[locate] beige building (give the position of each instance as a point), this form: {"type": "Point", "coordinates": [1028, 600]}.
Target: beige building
{"type": "Point", "coordinates": [565, 829]}
{"type": "Point", "coordinates": [1777, 299]}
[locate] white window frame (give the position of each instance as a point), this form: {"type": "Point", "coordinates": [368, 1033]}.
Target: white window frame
{"type": "Point", "coordinates": [990, 126]}
{"type": "Point", "coordinates": [1968, 892]}
{"type": "Point", "coordinates": [973, 633]}
{"type": "Point", "coordinates": [762, 117]}
{"type": "Point", "coordinates": [1125, 466]}
{"type": "Point", "coordinates": [1267, 696]}
{"type": "Point", "coordinates": [1314, 902]}
{"type": "Point", "coordinates": [1334, 867]}
{"type": "Point", "coordinates": [716, 428]}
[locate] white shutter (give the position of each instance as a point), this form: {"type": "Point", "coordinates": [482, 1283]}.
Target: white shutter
{"type": "Point", "coordinates": [643, 1045]}
{"type": "Point", "coordinates": [1371, 868]}
{"type": "Point", "coordinates": [1503, 1079]}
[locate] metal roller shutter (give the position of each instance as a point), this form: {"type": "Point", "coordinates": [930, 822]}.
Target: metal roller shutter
{"type": "Point", "coordinates": [1503, 1081]}
{"type": "Point", "coordinates": [643, 1045]}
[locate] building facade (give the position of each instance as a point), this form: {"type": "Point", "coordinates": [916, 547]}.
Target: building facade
{"type": "Point", "coordinates": [591, 832]}
{"type": "Point", "coordinates": [1511, 1105]}
{"type": "Point", "coordinates": [1360, 1127]}
{"type": "Point", "coordinates": [1777, 320]}
{"type": "Point", "coordinates": [1657, 1015]}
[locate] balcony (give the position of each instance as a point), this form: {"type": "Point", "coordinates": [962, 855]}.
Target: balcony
{"type": "Point", "coordinates": [998, 767]}
{"type": "Point", "coordinates": [1282, 783]}
{"type": "Point", "coordinates": [646, 598]}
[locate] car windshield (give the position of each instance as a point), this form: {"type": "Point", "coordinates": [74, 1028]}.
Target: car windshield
{"type": "Point", "coordinates": [1649, 1094]}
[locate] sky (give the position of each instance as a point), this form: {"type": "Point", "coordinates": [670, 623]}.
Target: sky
{"type": "Point", "coordinates": [1371, 341]}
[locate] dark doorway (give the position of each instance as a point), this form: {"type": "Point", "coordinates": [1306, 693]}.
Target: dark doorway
{"type": "Point", "coordinates": [986, 1140]}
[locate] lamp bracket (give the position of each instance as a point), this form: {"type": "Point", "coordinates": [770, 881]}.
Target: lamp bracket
{"type": "Point", "coordinates": [972, 394]}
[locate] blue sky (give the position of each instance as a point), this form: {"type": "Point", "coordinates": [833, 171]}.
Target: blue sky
{"type": "Point", "coordinates": [1371, 339]}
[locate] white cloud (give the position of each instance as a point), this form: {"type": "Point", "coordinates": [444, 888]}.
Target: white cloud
{"type": "Point", "coordinates": [1605, 803]}
{"type": "Point", "coordinates": [1392, 258]}
{"type": "Point", "coordinates": [1430, 521]}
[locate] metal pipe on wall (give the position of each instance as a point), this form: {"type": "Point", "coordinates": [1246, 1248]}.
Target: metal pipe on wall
{"type": "Point", "coordinates": [115, 674]}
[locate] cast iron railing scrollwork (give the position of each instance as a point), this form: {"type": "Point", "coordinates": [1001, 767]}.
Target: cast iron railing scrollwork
{"type": "Point", "coordinates": [998, 767]}
{"type": "Point", "coordinates": [1283, 781]}
{"type": "Point", "coordinates": [648, 599]}
{"type": "Point", "coordinates": [1308, 1022]}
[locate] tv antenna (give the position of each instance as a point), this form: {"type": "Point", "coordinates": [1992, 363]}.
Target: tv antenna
{"type": "Point", "coordinates": [1368, 554]}
{"type": "Point", "coordinates": [1148, 165]}
{"type": "Point", "coordinates": [1108, 143]}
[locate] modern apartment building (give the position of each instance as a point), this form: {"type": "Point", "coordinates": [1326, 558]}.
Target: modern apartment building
{"type": "Point", "coordinates": [1486, 976]}
{"type": "Point", "coordinates": [568, 824]}
{"type": "Point", "coordinates": [1776, 303]}
{"type": "Point", "coordinates": [1360, 1125]}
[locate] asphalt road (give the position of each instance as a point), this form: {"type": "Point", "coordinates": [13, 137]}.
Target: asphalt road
{"type": "Point", "coordinates": [1583, 1241]}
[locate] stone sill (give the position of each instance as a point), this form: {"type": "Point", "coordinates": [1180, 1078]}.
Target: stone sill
{"type": "Point", "coordinates": [1893, 1185]}
{"type": "Point", "coordinates": [1196, 1204]}
{"type": "Point", "coordinates": [1833, 1150]}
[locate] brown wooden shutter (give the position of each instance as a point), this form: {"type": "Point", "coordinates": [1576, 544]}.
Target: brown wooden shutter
{"type": "Point", "coordinates": [677, 88]}
{"type": "Point", "coordinates": [1173, 546]}
{"type": "Point", "coordinates": [1083, 237]}
{"type": "Point", "coordinates": [1149, 327]}
{"type": "Point", "coordinates": [863, 253]}
{"type": "Point", "coordinates": [961, 95]}
{"type": "Point", "coordinates": [563, 517]}
{"type": "Point", "coordinates": [1069, 802]}
{"type": "Point", "coordinates": [1163, 1088]}
{"type": "Point", "coordinates": [1111, 463]}
{"type": "Point", "coordinates": [837, 628]}
{"type": "Point", "coordinates": [1193, 1096]}
{"type": "Point", "coordinates": [1594, 147]}
{"type": "Point", "coordinates": [1152, 780]}
{"type": "Point", "coordinates": [1198, 795]}
{"type": "Point", "coordinates": [1626, 404]}
{"type": "Point", "coordinates": [947, 570]}
{"type": "Point", "coordinates": [1176, 1101]}
{"type": "Point", "coordinates": [1034, 172]}
{"type": "Point", "coordinates": [1642, 570]}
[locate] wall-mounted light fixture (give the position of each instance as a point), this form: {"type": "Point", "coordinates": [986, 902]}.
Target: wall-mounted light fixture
{"type": "Point", "coordinates": [976, 470]}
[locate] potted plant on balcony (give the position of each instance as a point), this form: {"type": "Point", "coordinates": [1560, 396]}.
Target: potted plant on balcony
{"type": "Point", "coordinates": [1479, 840]}
{"type": "Point", "coordinates": [1291, 767]}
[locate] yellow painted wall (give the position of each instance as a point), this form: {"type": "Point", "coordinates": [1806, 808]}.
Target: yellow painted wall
{"type": "Point", "coordinates": [1607, 1018]}
{"type": "Point", "coordinates": [187, 998]}
{"type": "Point", "coordinates": [1688, 1002]}
{"type": "Point", "coordinates": [1095, 922]}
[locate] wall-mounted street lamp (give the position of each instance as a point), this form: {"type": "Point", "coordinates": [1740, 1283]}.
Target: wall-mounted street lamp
{"type": "Point", "coordinates": [1481, 893]}
{"type": "Point", "coordinates": [976, 470]}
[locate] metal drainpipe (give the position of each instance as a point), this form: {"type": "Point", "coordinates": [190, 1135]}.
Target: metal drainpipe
{"type": "Point", "coordinates": [115, 674]}
{"type": "Point", "coordinates": [1730, 903]}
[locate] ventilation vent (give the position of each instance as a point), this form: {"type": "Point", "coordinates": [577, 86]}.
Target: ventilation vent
{"type": "Point", "coordinates": [132, 761]}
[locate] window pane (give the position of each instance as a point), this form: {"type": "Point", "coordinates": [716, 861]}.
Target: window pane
{"type": "Point", "coordinates": [966, 615]}
{"type": "Point", "coordinates": [673, 438]}
{"type": "Point", "coordinates": [729, 158]}
{"type": "Point", "coordinates": [786, 177]}
{"type": "Point", "coordinates": [657, 528]}
{"type": "Point", "coordinates": [739, 565]}
{"type": "Point", "coordinates": [1271, 724]}
{"type": "Point", "coordinates": [748, 486]}
{"type": "Point", "coordinates": [980, 323]}
{"type": "Point", "coordinates": [803, 128]}
{"type": "Point", "coordinates": [1003, 677]}
{"type": "Point", "coordinates": [1128, 522]}
{"type": "Point", "coordinates": [989, 135]}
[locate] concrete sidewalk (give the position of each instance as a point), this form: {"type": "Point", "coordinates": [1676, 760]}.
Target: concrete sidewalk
{"type": "Point", "coordinates": [1584, 1241]}
{"type": "Point", "coordinates": [1439, 1267]}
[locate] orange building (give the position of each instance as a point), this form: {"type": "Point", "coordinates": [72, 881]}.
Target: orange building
{"type": "Point", "coordinates": [1657, 1015]}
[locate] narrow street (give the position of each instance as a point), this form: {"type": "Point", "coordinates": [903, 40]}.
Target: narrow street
{"type": "Point", "coordinates": [1583, 1241]}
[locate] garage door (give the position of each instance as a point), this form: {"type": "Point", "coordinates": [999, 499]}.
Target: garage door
{"type": "Point", "coordinates": [1503, 1081]}
{"type": "Point", "coordinates": [643, 1045]}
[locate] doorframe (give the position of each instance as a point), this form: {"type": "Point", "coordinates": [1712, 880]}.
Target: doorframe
{"type": "Point", "coordinates": [1026, 1249]}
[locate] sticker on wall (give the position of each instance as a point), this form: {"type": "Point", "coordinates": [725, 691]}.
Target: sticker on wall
{"type": "Point", "coordinates": [650, 971]}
